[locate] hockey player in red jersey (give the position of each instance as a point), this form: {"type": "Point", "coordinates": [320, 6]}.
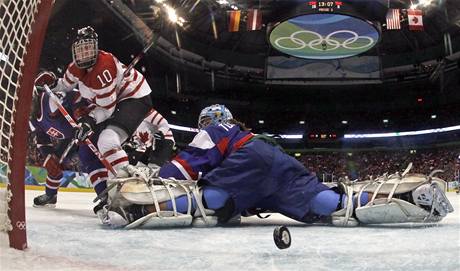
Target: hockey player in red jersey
{"type": "Point", "coordinates": [121, 98]}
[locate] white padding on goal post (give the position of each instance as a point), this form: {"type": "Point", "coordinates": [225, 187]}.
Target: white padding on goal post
{"type": "Point", "coordinates": [5, 224]}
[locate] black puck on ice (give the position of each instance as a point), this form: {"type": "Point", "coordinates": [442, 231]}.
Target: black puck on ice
{"type": "Point", "coordinates": [282, 237]}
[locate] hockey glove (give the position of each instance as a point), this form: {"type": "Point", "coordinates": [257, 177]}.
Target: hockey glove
{"type": "Point", "coordinates": [46, 78]}
{"type": "Point", "coordinates": [159, 135]}
{"type": "Point", "coordinates": [52, 166]}
{"type": "Point", "coordinates": [86, 127]}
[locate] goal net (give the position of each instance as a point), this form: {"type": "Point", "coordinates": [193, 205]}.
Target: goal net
{"type": "Point", "coordinates": [22, 28]}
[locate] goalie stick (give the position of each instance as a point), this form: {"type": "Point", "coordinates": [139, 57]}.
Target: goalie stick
{"type": "Point", "coordinates": [75, 125]}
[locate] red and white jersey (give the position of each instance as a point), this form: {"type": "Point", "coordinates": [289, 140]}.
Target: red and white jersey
{"type": "Point", "coordinates": [153, 123]}
{"type": "Point", "coordinates": [105, 84]}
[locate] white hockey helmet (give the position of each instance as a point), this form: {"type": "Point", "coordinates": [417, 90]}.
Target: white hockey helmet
{"type": "Point", "coordinates": [214, 114]}
{"type": "Point", "coordinates": [85, 48]}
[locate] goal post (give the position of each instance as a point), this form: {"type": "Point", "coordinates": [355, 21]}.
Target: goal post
{"type": "Point", "coordinates": [22, 31]}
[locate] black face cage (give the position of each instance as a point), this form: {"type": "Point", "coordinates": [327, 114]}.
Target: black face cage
{"type": "Point", "coordinates": [84, 53]}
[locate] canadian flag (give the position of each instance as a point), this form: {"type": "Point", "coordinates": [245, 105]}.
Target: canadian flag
{"type": "Point", "coordinates": [415, 19]}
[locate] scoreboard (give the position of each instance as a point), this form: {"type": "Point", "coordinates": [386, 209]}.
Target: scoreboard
{"type": "Point", "coordinates": [325, 6]}
{"type": "Point", "coordinates": [322, 137]}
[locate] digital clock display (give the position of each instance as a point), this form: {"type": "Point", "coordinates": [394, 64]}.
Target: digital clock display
{"type": "Point", "coordinates": [325, 6]}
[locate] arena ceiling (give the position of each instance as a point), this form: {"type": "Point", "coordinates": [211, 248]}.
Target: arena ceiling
{"type": "Point", "coordinates": [239, 58]}
{"type": "Point", "coordinates": [438, 19]}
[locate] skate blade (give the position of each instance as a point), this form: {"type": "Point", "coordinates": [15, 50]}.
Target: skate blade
{"type": "Point", "coordinates": [49, 206]}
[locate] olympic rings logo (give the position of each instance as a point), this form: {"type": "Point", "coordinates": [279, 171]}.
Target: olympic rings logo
{"type": "Point", "coordinates": [325, 42]}
{"type": "Point", "coordinates": [21, 225]}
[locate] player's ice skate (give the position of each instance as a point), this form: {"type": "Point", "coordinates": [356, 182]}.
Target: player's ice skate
{"type": "Point", "coordinates": [45, 201]}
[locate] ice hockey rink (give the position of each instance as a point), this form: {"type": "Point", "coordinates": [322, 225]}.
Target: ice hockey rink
{"type": "Point", "coordinates": [70, 237]}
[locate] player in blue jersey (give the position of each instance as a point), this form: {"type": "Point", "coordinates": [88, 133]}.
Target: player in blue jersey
{"type": "Point", "coordinates": [226, 170]}
{"type": "Point", "coordinates": [50, 124]}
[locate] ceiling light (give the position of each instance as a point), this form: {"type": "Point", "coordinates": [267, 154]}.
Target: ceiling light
{"type": "Point", "coordinates": [261, 121]}
{"type": "Point", "coordinates": [385, 121]}
{"type": "Point", "coordinates": [302, 122]}
{"type": "Point", "coordinates": [344, 122]}
{"type": "Point", "coordinates": [433, 116]}
{"type": "Point", "coordinates": [172, 16]}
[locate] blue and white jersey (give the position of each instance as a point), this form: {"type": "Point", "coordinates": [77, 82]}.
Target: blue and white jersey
{"type": "Point", "coordinates": [207, 151]}
{"type": "Point", "coordinates": [50, 123]}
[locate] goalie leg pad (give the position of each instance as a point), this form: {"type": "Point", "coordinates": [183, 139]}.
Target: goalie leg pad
{"type": "Point", "coordinates": [158, 191]}
{"type": "Point", "coordinates": [401, 211]}
{"type": "Point", "coordinates": [162, 219]}
{"type": "Point", "coordinates": [396, 199]}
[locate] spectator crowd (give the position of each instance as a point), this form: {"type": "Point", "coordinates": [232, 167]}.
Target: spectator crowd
{"type": "Point", "coordinates": [330, 166]}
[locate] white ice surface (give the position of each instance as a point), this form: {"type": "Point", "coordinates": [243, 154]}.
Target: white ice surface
{"type": "Point", "coordinates": [70, 238]}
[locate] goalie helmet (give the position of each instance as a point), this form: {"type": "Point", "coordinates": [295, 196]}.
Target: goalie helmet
{"type": "Point", "coordinates": [214, 114]}
{"type": "Point", "coordinates": [85, 48]}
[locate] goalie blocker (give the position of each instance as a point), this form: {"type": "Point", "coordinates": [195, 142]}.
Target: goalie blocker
{"type": "Point", "coordinates": [397, 198]}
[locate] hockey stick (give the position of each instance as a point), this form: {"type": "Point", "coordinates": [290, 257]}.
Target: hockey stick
{"type": "Point", "coordinates": [75, 125]}
{"type": "Point", "coordinates": [139, 56]}
{"type": "Point", "coordinates": [66, 151]}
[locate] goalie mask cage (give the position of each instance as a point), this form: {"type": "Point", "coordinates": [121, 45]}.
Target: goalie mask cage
{"type": "Point", "coordinates": [23, 25]}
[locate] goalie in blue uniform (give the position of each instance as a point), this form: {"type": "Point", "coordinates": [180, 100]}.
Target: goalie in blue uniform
{"type": "Point", "coordinates": [226, 170]}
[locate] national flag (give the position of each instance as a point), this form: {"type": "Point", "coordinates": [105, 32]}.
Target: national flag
{"type": "Point", "coordinates": [234, 20]}
{"type": "Point", "coordinates": [254, 21]}
{"type": "Point", "coordinates": [338, 4]}
{"type": "Point", "coordinates": [313, 4]}
{"type": "Point", "coordinates": [393, 19]}
{"type": "Point", "coordinates": [415, 19]}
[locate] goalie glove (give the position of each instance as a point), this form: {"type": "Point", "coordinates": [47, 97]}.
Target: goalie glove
{"type": "Point", "coordinates": [46, 78]}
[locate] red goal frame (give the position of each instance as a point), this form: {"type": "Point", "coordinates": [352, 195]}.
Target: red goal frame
{"type": "Point", "coordinates": [18, 149]}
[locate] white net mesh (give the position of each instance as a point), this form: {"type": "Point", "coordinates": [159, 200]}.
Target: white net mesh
{"type": "Point", "coordinates": [15, 25]}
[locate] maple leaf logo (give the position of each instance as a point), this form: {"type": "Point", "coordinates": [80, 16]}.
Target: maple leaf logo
{"type": "Point", "coordinates": [144, 137]}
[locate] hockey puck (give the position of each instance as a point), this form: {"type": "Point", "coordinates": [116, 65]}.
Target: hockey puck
{"type": "Point", "coordinates": [282, 237]}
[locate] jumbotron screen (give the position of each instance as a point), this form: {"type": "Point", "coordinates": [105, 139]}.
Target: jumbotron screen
{"type": "Point", "coordinates": [324, 36]}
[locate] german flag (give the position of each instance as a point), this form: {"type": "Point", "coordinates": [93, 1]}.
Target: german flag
{"type": "Point", "coordinates": [234, 17]}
